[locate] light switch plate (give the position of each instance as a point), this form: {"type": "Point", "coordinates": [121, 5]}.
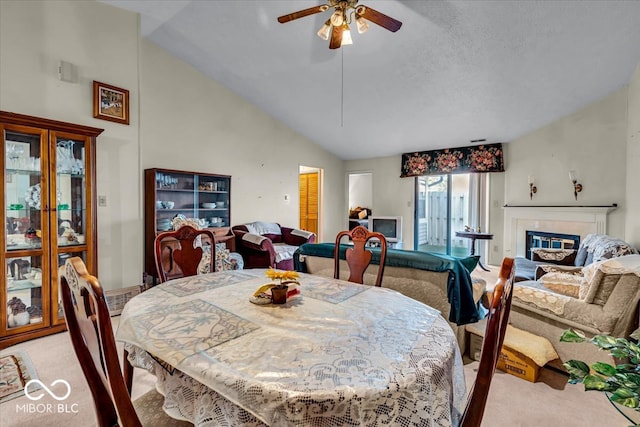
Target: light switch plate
{"type": "Point", "coordinates": [102, 201]}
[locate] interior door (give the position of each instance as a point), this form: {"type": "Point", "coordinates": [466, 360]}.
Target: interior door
{"type": "Point", "coordinates": [309, 188]}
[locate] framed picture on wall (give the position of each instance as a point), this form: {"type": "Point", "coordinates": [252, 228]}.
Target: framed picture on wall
{"type": "Point", "coordinates": [110, 103]}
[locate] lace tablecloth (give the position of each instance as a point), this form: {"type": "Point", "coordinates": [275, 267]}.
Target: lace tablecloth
{"type": "Point", "coordinates": [338, 354]}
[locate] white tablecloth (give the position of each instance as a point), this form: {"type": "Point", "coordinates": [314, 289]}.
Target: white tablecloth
{"type": "Point", "coordinates": [338, 354]}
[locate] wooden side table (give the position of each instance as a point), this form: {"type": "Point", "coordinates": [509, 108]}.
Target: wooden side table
{"type": "Point", "coordinates": [475, 236]}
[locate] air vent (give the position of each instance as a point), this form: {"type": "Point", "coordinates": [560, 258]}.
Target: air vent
{"type": "Point", "coordinates": [117, 298]}
{"type": "Point", "coordinates": [475, 141]}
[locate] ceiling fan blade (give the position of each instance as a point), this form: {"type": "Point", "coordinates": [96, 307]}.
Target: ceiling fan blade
{"type": "Point", "coordinates": [381, 19]}
{"type": "Point", "coordinates": [302, 13]}
{"type": "Point", "coordinates": [336, 37]}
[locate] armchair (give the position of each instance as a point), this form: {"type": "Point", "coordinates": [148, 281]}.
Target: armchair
{"type": "Point", "coordinates": [267, 244]}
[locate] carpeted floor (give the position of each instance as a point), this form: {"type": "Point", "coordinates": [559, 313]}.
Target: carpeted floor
{"type": "Point", "coordinates": [512, 402]}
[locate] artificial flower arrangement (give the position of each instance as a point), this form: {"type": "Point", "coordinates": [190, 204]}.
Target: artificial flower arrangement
{"type": "Point", "coordinates": [283, 281]}
{"type": "Point", "coordinates": [282, 278]}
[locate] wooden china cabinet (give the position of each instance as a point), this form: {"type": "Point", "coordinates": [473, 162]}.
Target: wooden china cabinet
{"type": "Point", "coordinates": [48, 207]}
{"type": "Point", "coordinates": [168, 192]}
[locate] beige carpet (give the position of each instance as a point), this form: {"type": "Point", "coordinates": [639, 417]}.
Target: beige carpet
{"type": "Point", "coordinates": [512, 402]}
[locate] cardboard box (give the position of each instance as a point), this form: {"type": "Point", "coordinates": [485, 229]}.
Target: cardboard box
{"type": "Point", "coordinates": [515, 363]}
{"type": "Point", "coordinates": [509, 361]}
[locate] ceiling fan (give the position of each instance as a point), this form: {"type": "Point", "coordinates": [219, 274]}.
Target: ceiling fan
{"type": "Point", "coordinates": [337, 26]}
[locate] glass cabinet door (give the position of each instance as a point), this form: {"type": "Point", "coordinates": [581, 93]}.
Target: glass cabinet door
{"type": "Point", "coordinates": [25, 207]}
{"type": "Point", "coordinates": [71, 193]}
{"type": "Point", "coordinates": [71, 216]}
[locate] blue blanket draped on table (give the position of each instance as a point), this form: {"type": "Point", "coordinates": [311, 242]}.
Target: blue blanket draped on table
{"type": "Point", "coordinates": [459, 289]}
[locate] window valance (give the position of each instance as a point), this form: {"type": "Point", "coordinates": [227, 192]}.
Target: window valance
{"type": "Point", "coordinates": [479, 158]}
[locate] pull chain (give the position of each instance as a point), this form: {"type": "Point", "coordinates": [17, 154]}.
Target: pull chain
{"type": "Point", "coordinates": [342, 88]}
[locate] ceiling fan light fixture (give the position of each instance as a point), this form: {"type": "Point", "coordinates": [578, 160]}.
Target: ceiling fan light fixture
{"type": "Point", "coordinates": [336, 28]}
{"type": "Point", "coordinates": [346, 35]}
{"type": "Point", "coordinates": [323, 33]}
{"type": "Point", "coordinates": [337, 19]}
{"type": "Point", "coordinates": [362, 24]}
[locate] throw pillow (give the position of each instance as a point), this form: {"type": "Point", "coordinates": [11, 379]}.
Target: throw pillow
{"type": "Point", "coordinates": [543, 269]}
{"type": "Point", "coordinates": [562, 283]}
{"type": "Point", "coordinates": [589, 284]}
{"type": "Point", "coordinates": [556, 256]}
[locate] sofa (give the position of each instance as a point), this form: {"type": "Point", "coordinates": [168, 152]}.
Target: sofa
{"type": "Point", "coordinates": [594, 248]}
{"type": "Point", "coordinates": [600, 298]}
{"type": "Point", "coordinates": [268, 244]}
{"type": "Point", "coordinates": [440, 281]}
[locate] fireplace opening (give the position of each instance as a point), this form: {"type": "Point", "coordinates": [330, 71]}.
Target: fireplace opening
{"type": "Point", "coordinates": [543, 239]}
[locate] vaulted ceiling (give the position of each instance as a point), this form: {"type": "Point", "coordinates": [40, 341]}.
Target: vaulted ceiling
{"type": "Point", "coordinates": [456, 71]}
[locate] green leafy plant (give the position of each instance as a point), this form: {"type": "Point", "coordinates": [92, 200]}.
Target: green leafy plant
{"type": "Point", "coordinates": [620, 383]}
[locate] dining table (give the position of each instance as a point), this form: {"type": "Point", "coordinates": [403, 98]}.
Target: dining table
{"type": "Point", "coordinates": [336, 354]}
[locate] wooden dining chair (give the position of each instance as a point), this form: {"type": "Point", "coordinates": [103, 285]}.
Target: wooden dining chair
{"type": "Point", "coordinates": [358, 257]}
{"type": "Point", "coordinates": [89, 324]}
{"type": "Point", "coordinates": [184, 252]}
{"type": "Point", "coordinates": [496, 328]}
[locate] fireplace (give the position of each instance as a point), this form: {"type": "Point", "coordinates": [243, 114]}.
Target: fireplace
{"type": "Point", "coordinates": [573, 220]}
{"type": "Point", "coordinates": [542, 239]}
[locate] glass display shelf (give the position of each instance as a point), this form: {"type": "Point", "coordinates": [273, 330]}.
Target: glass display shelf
{"type": "Point", "coordinates": [28, 172]}
{"type": "Point", "coordinates": [12, 246]}
{"type": "Point", "coordinates": [20, 285]}
{"type": "Point", "coordinates": [72, 175]}
{"type": "Point", "coordinates": [70, 244]}
{"type": "Point", "coordinates": [175, 190]}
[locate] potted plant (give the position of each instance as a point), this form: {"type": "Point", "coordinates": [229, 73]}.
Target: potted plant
{"type": "Point", "coordinates": [620, 383]}
{"type": "Point", "coordinates": [281, 280]}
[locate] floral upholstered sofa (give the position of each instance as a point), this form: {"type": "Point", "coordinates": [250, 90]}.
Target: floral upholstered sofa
{"type": "Point", "coordinates": [600, 298]}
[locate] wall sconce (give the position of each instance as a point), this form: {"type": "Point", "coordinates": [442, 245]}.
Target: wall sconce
{"type": "Point", "coordinates": [576, 186]}
{"type": "Point", "coordinates": [532, 188]}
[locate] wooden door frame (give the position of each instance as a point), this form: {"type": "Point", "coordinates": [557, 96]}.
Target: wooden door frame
{"type": "Point", "coordinates": [320, 172]}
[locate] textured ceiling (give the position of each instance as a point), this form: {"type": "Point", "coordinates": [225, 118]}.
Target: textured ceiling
{"type": "Point", "coordinates": [456, 71]}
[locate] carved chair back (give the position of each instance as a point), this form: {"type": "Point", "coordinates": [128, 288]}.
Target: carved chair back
{"type": "Point", "coordinates": [182, 252]}
{"type": "Point", "coordinates": [497, 321]}
{"type": "Point", "coordinates": [358, 257]}
{"type": "Point", "coordinates": [89, 323]}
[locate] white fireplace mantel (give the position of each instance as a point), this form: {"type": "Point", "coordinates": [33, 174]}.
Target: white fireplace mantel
{"type": "Point", "coordinates": [579, 220]}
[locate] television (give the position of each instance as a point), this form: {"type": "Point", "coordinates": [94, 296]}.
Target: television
{"type": "Point", "coordinates": [389, 226]}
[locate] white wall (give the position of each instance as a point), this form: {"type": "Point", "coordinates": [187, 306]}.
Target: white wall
{"type": "Point", "coordinates": [632, 225]}
{"type": "Point", "coordinates": [392, 195]}
{"type": "Point", "coordinates": [592, 142]}
{"type": "Point", "coordinates": [102, 42]}
{"type": "Point", "coordinates": [360, 190]}
{"type": "Point", "coordinates": [191, 122]}
{"type": "Point", "coordinates": [188, 122]}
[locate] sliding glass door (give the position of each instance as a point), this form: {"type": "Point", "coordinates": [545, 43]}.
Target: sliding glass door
{"type": "Point", "coordinates": [446, 204]}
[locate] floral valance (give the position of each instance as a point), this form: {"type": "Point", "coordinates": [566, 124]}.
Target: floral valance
{"type": "Point", "coordinates": [479, 158]}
